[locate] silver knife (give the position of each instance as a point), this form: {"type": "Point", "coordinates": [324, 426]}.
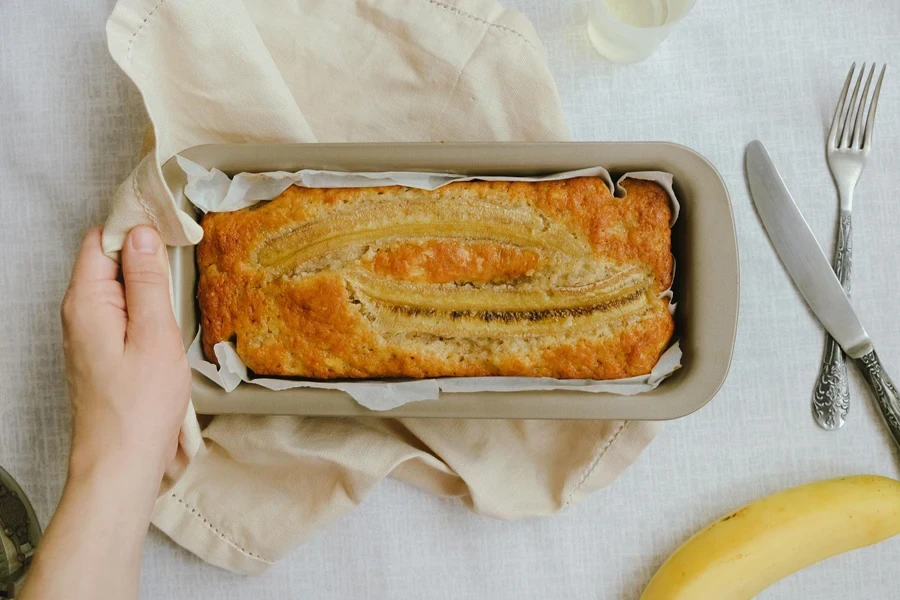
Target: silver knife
{"type": "Point", "coordinates": [812, 274]}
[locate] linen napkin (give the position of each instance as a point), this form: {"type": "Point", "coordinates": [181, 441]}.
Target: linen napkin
{"type": "Point", "coordinates": [245, 490]}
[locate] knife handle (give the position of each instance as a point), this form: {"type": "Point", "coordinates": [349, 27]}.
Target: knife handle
{"type": "Point", "coordinates": [884, 389]}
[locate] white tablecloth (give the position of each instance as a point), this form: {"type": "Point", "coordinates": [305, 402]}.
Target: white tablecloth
{"type": "Point", "coordinates": [70, 127]}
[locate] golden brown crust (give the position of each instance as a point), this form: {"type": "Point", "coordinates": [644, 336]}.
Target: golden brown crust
{"type": "Point", "coordinates": [556, 279]}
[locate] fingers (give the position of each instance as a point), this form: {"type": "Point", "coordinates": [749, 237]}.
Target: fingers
{"type": "Point", "coordinates": [92, 264]}
{"type": "Point", "coordinates": [93, 309]}
{"type": "Point", "coordinates": [146, 274]}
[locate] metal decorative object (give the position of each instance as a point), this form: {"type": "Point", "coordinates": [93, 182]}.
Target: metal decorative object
{"type": "Point", "coordinates": [19, 534]}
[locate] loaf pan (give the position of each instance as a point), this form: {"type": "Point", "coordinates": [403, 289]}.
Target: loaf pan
{"type": "Point", "coordinates": [706, 283]}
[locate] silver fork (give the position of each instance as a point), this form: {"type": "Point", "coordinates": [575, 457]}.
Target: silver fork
{"type": "Point", "coordinates": [849, 142]}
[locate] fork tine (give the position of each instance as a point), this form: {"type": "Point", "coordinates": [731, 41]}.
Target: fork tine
{"type": "Point", "coordinates": [833, 134]}
{"type": "Point", "coordinates": [857, 127]}
{"type": "Point", "coordinates": [848, 117]}
{"type": "Point", "coordinates": [870, 120]}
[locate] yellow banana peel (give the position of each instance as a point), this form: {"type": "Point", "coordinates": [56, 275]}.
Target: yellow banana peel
{"type": "Point", "coordinates": [747, 550]}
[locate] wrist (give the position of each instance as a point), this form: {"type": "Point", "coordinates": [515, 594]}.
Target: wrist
{"type": "Point", "coordinates": [117, 455]}
{"type": "Point", "coordinates": [118, 479]}
{"type": "Point", "coordinates": [105, 512]}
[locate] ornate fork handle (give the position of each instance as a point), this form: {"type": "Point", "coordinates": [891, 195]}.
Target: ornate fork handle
{"type": "Point", "coordinates": [831, 398]}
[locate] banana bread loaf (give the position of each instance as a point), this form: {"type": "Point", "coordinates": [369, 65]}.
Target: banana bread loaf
{"type": "Point", "coordinates": [548, 279]}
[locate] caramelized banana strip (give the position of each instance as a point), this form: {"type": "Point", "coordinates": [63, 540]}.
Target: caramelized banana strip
{"type": "Point", "coordinates": [621, 282]}
{"type": "Point", "coordinates": [418, 219]}
{"type": "Point", "coordinates": [590, 319]}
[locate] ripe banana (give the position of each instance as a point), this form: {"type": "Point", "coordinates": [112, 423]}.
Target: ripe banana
{"type": "Point", "coordinates": [746, 551]}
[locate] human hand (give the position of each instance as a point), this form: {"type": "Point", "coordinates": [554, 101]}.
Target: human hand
{"type": "Point", "coordinates": [128, 376]}
{"type": "Point", "coordinates": [129, 384]}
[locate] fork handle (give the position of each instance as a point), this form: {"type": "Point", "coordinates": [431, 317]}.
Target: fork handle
{"type": "Point", "coordinates": [831, 398]}
{"type": "Point", "coordinates": [843, 252]}
{"type": "Point", "coordinates": [886, 396]}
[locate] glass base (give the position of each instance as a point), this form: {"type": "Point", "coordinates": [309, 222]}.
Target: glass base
{"type": "Point", "coordinates": [617, 52]}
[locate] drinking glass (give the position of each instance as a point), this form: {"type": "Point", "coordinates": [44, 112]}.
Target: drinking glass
{"type": "Point", "coordinates": [627, 31]}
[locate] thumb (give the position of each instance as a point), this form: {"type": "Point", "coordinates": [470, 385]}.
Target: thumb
{"type": "Point", "coordinates": [145, 271]}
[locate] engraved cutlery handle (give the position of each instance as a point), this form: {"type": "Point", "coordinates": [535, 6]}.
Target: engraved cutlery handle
{"type": "Point", "coordinates": [831, 398]}
{"type": "Point", "coordinates": [885, 392]}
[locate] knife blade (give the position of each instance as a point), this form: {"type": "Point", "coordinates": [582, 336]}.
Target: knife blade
{"type": "Point", "coordinates": [801, 254]}
{"type": "Point", "coordinates": [808, 267]}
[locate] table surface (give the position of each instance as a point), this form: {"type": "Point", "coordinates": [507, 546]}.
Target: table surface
{"type": "Point", "coordinates": [733, 71]}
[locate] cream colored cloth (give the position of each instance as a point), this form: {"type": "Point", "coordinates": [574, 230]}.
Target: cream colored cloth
{"type": "Point", "coordinates": [246, 490]}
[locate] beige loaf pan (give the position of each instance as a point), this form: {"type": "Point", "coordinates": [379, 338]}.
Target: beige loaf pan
{"type": "Point", "coordinates": [703, 241]}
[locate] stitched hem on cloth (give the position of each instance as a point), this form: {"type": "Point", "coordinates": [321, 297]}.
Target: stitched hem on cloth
{"type": "Point", "coordinates": [198, 515]}
{"type": "Point", "coordinates": [144, 22]}
{"type": "Point", "coordinates": [143, 203]}
{"type": "Point", "coordinates": [591, 467]}
{"type": "Point", "coordinates": [479, 20]}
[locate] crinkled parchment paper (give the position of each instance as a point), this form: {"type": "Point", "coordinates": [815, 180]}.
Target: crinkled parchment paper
{"type": "Point", "coordinates": [213, 191]}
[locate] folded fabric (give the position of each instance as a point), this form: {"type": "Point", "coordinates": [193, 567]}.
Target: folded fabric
{"type": "Point", "coordinates": [245, 490]}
